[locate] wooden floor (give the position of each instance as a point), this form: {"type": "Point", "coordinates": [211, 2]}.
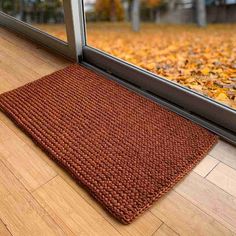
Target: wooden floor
{"type": "Point", "coordinates": [39, 198]}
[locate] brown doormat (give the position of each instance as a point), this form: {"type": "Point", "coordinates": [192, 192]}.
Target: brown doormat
{"type": "Point", "coordinates": [124, 149]}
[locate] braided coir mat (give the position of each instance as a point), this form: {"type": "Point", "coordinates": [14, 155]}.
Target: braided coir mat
{"type": "Point", "coordinates": [125, 149]}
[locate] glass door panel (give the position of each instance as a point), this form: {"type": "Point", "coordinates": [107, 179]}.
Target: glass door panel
{"type": "Point", "coordinates": [168, 39]}
{"type": "Point", "coordinates": [46, 15]}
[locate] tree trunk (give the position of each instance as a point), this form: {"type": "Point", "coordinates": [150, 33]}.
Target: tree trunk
{"type": "Point", "coordinates": [201, 13]}
{"type": "Point", "coordinates": [171, 5]}
{"type": "Point", "coordinates": [126, 9]}
{"type": "Point", "coordinates": [21, 9]}
{"type": "Point", "coordinates": [135, 15]}
{"type": "Point", "coordinates": [170, 14]}
{"type": "Point", "coordinates": [113, 11]}
{"type": "Point", "coordinates": [158, 16]}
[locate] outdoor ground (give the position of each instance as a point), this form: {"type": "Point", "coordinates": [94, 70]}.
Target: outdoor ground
{"type": "Point", "coordinates": [203, 59]}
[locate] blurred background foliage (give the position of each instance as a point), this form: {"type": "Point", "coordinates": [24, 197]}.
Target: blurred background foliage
{"type": "Point", "coordinates": [157, 11]}
{"type": "Point", "coordinates": [38, 11]}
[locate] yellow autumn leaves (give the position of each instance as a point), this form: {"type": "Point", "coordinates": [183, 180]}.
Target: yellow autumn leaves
{"type": "Point", "coordinates": [202, 59]}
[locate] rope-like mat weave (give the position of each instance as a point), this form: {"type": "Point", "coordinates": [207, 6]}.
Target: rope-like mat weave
{"type": "Point", "coordinates": [124, 149]}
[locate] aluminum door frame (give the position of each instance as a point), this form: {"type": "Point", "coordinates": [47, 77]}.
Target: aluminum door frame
{"type": "Point", "coordinates": [74, 21]}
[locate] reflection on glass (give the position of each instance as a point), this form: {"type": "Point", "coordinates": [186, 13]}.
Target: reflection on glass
{"type": "Point", "coordinates": [191, 42]}
{"type": "Point", "coordinates": [47, 15]}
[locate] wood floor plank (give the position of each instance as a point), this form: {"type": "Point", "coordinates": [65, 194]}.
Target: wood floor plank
{"type": "Point", "coordinates": [4, 134]}
{"type": "Point", "coordinates": [7, 80]}
{"type": "Point", "coordinates": [185, 218]}
{"type": "Point", "coordinates": [32, 62]}
{"type": "Point", "coordinates": [31, 170]}
{"type": "Point", "coordinates": [21, 212]}
{"type": "Point", "coordinates": [3, 230]}
{"type": "Point", "coordinates": [21, 72]}
{"type": "Point", "coordinates": [205, 166]}
{"type": "Point", "coordinates": [164, 230]}
{"type": "Point", "coordinates": [144, 225]}
{"type": "Point", "coordinates": [24, 56]}
{"type": "Point", "coordinates": [77, 214]}
{"type": "Point", "coordinates": [28, 67]}
{"type": "Point", "coordinates": [224, 177]}
{"type": "Point", "coordinates": [209, 198]}
{"type": "Point", "coordinates": [225, 153]}
{"type": "Point", "coordinates": [35, 49]}
{"type": "Point", "coordinates": [4, 192]}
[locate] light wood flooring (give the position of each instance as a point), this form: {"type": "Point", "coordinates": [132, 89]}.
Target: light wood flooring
{"type": "Point", "coordinates": [39, 198]}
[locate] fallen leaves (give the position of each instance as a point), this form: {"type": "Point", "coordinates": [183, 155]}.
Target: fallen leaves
{"type": "Point", "coordinates": [222, 97]}
{"type": "Point", "coordinates": [203, 60]}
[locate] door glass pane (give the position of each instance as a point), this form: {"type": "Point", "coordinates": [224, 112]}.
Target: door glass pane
{"type": "Point", "coordinates": [192, 43]}
{"type": "Point", "coordinates": [46, 15]}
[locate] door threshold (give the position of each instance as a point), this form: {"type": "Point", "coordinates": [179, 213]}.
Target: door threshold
{"type": "Point", "coordinates": [225, 134]}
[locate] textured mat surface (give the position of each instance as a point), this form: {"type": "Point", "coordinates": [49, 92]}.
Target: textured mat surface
{"type": "Point", "coordinates": [126, 150]}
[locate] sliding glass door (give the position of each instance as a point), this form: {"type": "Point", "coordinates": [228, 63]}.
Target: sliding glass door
{"type": "Point", "coordinates": [47, 16]}
{"type": "Point", "coordinates": [52, 23]}
{"type": "Point", "coordinates": [200, 59]}
{"type": "Point", "coordinates": [166, 49]}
